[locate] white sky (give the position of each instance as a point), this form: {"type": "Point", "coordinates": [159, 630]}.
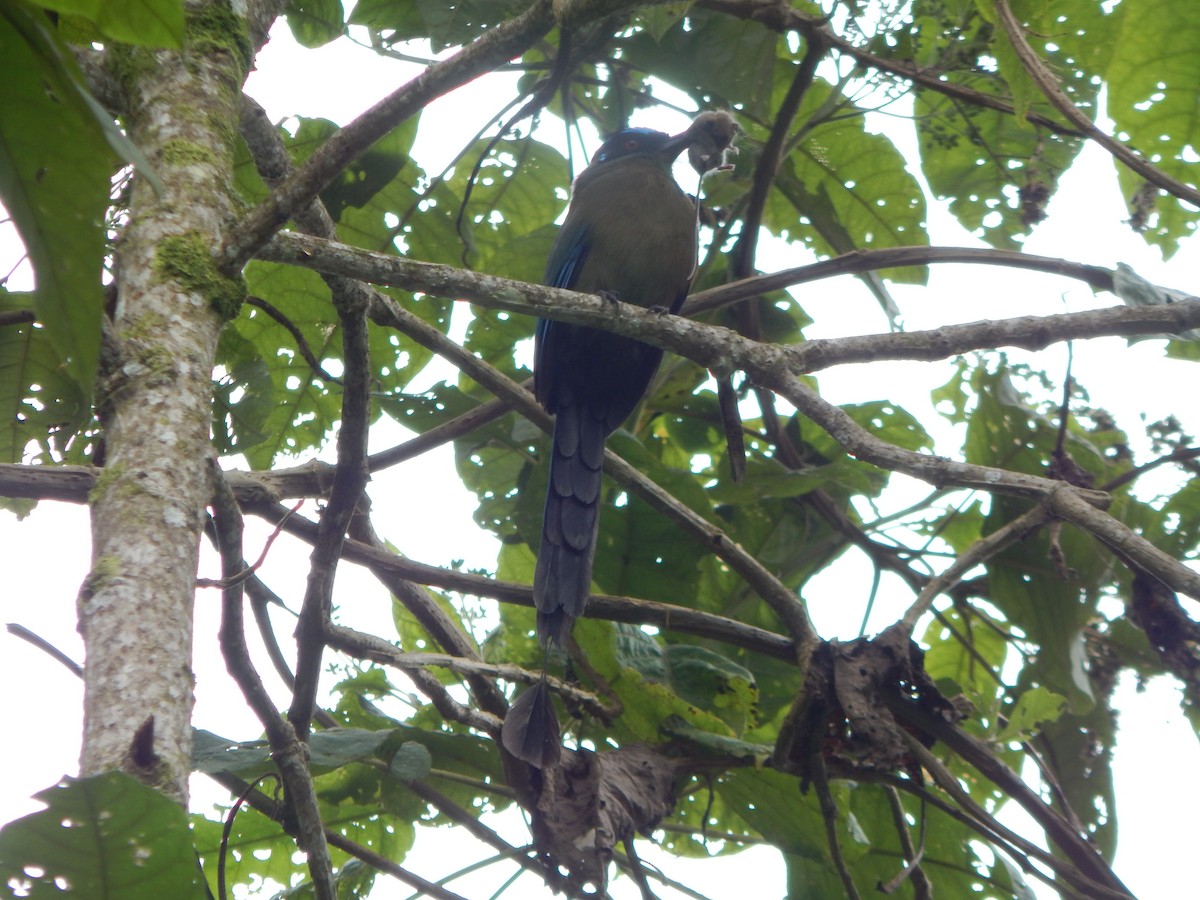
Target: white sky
{"type": "Point", "coordinates": [423, 509]}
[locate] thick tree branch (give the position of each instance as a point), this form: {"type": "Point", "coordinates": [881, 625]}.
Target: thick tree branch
{"type": "Point", "coordinates": [1031, 332]}
{"type": "Point", "coordinates": [1125, 543]}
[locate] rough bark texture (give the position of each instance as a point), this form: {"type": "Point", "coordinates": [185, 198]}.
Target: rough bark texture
{"type": "Point", "coordinates": [135, 609]}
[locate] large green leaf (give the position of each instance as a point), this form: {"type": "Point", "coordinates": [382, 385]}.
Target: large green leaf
{"type": "Point", "coordinates": [445, 24]}
{"type": "Point", "coordinates": [718, 57]}
{"type": "Point", "coordinates": [54, 181]}
{"type": "Point", "coordinates": [849, 185]}
{"type": "Point", "coordinates": [42, 404]}
{"type": "Point", "coordinates": [107, 837]}
{"type": "Point", "coordinates": [149, 23]}
{"type": "Point", "coordinates": [997, 169]}
{"type": "Point", "coordinates": [316, 22]}
{"type": "Point", "coordinates": [1153, 81]}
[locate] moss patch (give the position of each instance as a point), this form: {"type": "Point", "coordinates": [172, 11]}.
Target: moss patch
{"type": "Point", "coordinates": [188, 259]}
{"type": "Point", "coordinates": [182, 153]}
{"type": "Point", "coordinates": [104, 480]}
{"type": "Point", "coordinates": [129, 65]}
{"type": "Point", "coordinates": [216, 26]}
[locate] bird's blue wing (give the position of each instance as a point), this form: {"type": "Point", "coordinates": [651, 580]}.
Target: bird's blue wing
{"type": "Point", "coordinates": [567, 257]}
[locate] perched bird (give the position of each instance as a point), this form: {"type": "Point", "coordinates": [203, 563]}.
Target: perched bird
{"type": "Point", "coordinates": [630, 234]}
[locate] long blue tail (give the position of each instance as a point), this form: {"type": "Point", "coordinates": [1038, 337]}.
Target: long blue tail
{"type": "Point", "coordinates": [572, 518]}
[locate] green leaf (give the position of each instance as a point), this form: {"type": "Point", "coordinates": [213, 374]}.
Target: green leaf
{"type": "Point", "coordinates": [411, 761]}
{"type": "Point", "coordinates": [149, 23]}
{"type": "Point", "coordinates": [851, 186]}
{"type": "Point", "coordinates": [1033, 708]}
{"type": "Point", "coordinates": [54, 180]}
{"type": "Point", "coordinates": [316, 22]}
{"type": "Point", "coordinates": [701, 676]}
{"type": "Point", "coordinates": [718, 57]}
{"type": "Point", "coordinates": [107, 836]}
{"type": "Point", "coordinates": [42, 405]}
{"type": "Point", "coordinates": [1153, 80]}
{"type": "Point", "coordinates": [969, 651]}
{"type": "Point", "coordinates": [444, 24]}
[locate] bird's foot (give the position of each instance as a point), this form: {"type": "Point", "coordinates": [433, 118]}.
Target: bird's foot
{"type": "Point", "coordinates": [610, 296]}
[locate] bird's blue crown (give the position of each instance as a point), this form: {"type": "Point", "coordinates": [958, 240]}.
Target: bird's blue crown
{"type": "Point", "coordinates": [628, 141]}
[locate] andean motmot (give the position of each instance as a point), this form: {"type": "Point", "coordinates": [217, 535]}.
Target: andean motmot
{"type": "Point", "coordinates": [630, 234]}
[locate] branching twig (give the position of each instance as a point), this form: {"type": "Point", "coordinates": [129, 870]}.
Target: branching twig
{"type": "Point", "coordinates": [980, 551]}
{"type": "Point", "coordinates": [496, 46]}
{"type": "Point", "coordinates": [349, 481]}
{"type": "Point", "coordinates": [368, 646]}
{"type": "Point", "coordinates": [604, 606]}
{"type": "Point", "coordinates": [286, 749]}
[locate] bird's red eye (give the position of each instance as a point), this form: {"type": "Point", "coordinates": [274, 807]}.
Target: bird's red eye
{"type": "Point", "coordinates": [631, 144]}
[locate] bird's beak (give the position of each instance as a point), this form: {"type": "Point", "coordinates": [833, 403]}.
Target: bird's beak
{"type": "Point", "coordinates": [675, 145]}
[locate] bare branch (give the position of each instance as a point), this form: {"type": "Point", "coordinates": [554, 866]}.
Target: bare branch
{"type": "Point", "coordinates": [287, 750]}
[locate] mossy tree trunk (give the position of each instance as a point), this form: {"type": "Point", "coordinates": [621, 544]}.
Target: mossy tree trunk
{"type": "Point", "coordinates": [135, 609]}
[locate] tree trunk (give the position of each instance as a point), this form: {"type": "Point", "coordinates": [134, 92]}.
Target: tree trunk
{"type": "Point", "coordinates": [135, 608]}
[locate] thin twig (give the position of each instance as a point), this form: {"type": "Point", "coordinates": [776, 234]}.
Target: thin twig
{"type": "Point", "coordinates": [349, 482]}
{"type": "Point", "coordinates": [980, 551]}
{"type": "Point", "coordinates": [368, 646]}
{"type": "Point", "coordinates": [45, 646]}
{"type": "Point", "coordinates": [1183, 454]}
{"type": "Point", "coordinates": [820, 780]}
{"type": "Point", "coordinates": [297, 335]}
{"type": "Point", "coordinates": [922, 887]}
{"type": "Point", "coordinates": [248, 571]}
{"type": "Point", "coordinates": [604, 606]}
